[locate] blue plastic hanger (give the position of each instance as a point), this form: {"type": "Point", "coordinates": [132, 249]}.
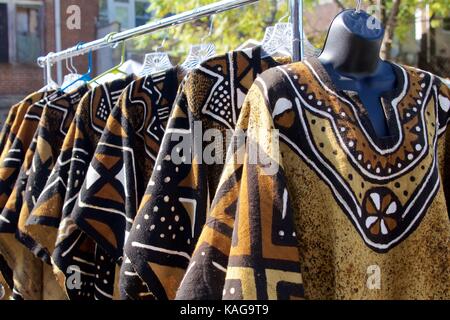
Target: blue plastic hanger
{"type": "Point", "coordinates": [85, 77]}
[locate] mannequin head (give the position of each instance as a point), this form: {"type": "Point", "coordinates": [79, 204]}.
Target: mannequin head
{"type": "Point", "coordinates": [353, 43]}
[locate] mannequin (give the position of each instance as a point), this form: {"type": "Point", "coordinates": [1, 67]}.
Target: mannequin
{"type": "Point", "coordinates": [351, 57]}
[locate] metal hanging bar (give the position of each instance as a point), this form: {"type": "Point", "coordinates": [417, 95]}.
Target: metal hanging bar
{"type": "Point", "coordinates": [297, 34]}
{"type": "Point", "coordinates": [207, 10]}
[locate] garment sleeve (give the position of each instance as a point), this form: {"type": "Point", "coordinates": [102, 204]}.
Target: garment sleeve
{"type": "Point", "coordinates": [48, 208]}
{"type": "Point", "coordinates": [171, 213]}
{"type": "Point", "coordinates": [248, 247]}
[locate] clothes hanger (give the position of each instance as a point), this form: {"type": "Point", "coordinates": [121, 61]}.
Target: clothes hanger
{"type": "Point", "coordinates": [85, 78]}
{"type": "Point", "coordinates": [200, 52]}
{"type": "Point", "coordinates": [280, 41]}
{"type": "Point", "coordinates": [156, 62]}
{"type": "Point", "coordinates": [51, 84]}
{"type": "Point", "coordinates": [72, 76]}
{"type": "Point", "coordinates": [115, 70]}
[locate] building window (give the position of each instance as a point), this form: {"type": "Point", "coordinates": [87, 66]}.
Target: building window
{"type": "Point", "coordinates": [103, 18]}
{"type": "Point", "coordinates": [28, 33]}
{"type": "Point", "coordinates": [21, 31]}
{"type": "Point", "coordinates": [4, 38]}
{"type": "Point", "coordinates": [446, 24]}
{"type": "Point", "coordinates": [142, 14]}
{"type": "Point", "coordinates": [128, 13]}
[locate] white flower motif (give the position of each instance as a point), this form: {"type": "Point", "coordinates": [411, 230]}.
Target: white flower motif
{"type": "Point", "coordinates": [380, 210]}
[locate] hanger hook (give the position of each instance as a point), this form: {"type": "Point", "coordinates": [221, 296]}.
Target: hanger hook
{"type": "Point", "coordinates": [72, 65]}
{"type": "Point", "coordinates": [68, 67]}
{"type": "Point", "coordinates": [79, 45]}
{"type": "Point", "coordinates": [287, 15]}
{"type": "Point", "coordinates": [358, 6]}
{"type": "Point", "coordinates": [73, 68]}
{"type": "Point", "coordinates": [162, 43]}
{"type": "Point", "coordinates": [211, 26]}
{"type": "Point", "coordinates": [108, 39]}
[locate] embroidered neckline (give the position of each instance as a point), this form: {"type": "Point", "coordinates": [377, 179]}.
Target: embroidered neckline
{"type": "Point", "coordinates": [406, 150]}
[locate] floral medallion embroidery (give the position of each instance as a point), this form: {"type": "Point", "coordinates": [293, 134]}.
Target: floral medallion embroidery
{"type": "Point", "coordinates": [381, 207]}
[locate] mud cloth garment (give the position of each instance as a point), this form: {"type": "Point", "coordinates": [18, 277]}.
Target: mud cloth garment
{"type": "Point", "coordinates": [53, 127]}
{"type": "Point", "coordinates": [18, 258]}
{"type": "Point", "coordinates": [6, 129]}
{"type": "Point", "coordinates": [351, 202]}
{"type": "Point", "coordinates": [49, 222]}
{"type": "Point", "coordinates": [122, 164]}
{"type": "Point", "coordinates": [39, 160]}
{"type": "Point", "coordinates": [6, 280]}
{"type": "Point", "coordinates": [19, 140]}
{"type": "Point", "coordinates": [17, 144]}
{"type": "Point", "coordinates": [176, 202]}
{"type": "Point", "coordinates": [15, 116]}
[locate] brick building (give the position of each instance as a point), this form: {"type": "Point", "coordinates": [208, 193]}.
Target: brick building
{"type": "Point", "coordinates": [27, 30]}
{"type": "Point", "coordinates": [30, 28]}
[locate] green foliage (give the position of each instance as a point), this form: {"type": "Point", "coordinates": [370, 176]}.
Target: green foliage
{"type": "Point", "coordinates": [231, 29]}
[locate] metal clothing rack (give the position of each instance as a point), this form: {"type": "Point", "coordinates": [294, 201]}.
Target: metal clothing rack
{"type": "Point", "coordinates": [296, 8]}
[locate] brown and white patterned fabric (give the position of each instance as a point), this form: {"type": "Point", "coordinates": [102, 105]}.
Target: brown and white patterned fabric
{"type": "Point", "coordinates": [119, 171]}
{"type": "Point", "coordinates": [175, 205]}
{"type": "Point", "coordinates": [50, 219]}
{"type": "Point", "coordinates": [39, 161]}
{"type": "Point", "coordinates": [27, 271]}
{"type": "Point", "coordinates": [6, 129]}
{"type": "Point", "coordinates": [6, 280]}
{"type": "Point", "coordinates": [344, 202]}
{"type": "Point", "coordinates": [13, 120]}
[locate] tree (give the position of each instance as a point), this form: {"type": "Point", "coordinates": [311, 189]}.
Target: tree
{"type": "Point", "coordinates": [399, 16]}
{"type": "Point", "coordinates": [236, 26]}
{"type": "Point", "coordinates": [229, 30]}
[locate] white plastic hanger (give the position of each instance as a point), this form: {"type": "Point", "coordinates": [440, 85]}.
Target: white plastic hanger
{"type": "Point", "coordinates": [200, 52]}
{"type": "Point", "coordinates": [281, 39]}
{"type": "Point", "coordinates": [155, 62]}
{"type": "Point", "coordinates": [51, 84]}
{"type": "Point", "coordinates": [71, 77]}
{"type": "Point", "coordinates": [280, 43]}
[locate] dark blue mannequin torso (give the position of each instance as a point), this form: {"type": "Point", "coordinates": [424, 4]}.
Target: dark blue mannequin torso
{"type": "Point", "coordinates": [370, 90]}
{"type": "Point", "coordinates": [351, 57]}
